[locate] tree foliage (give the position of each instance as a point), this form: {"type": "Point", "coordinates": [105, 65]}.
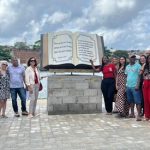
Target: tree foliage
{"type": "Point", "coordinates": [120, 53]}
{"type": "Point", "coordinates": [21, 45]}
{"type": "Point", "coordinates": [107, 52]}
{"type": "Point", "coordinates": [4, 53]}
{"type": "Point", "coordinates": [37, 45]}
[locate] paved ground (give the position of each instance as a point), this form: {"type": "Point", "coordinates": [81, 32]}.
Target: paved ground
{"type": "Point", "coordinates": [72, 132]}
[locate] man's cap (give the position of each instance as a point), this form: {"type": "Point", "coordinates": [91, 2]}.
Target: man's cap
{"type": "Point", "coordinates": [132, 56]}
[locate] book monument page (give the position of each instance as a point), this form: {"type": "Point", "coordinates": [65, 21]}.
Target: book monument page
{"type": "Point", "coordinates": [67, 50]}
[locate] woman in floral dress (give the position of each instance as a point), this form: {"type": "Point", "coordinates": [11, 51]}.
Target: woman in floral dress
{"type": "Point", "coordinates": [121, 99]}
{"type": "Point", "coordinates": [4, 88]}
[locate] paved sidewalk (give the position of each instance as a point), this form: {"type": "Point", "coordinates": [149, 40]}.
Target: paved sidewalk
{"type": "Point", "coordinates": [72, 132]}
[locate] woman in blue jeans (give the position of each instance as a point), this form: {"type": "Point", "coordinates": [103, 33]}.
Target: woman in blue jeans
{"type": "Point", "coordinates": [108, 83]}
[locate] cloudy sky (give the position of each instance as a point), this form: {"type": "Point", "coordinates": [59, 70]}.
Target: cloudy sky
{"type": "Point", "coordinates": [125, 24]}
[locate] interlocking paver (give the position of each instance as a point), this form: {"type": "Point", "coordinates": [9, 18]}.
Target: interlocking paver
{"type": "Point", "coordinates": [72, 132]}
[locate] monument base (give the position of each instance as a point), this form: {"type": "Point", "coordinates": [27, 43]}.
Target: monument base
{"type": "Point", "coordinates": [74, 94]}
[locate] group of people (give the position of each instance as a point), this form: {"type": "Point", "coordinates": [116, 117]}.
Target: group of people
{"type": "Point", "coordinates": [14, 81]}
{"type": "Point", "coordinates": [130, 83]}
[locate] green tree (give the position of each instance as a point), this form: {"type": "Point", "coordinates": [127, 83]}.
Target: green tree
{"type": "Point", "coordinates": [120, 53]}
{"type": "Point", "coordinates": [37, 45]}
{"type": "Point", "coordinates": [107, 52]}
{"type": "Point", "coordinates": [21, 45]}
{"type": "Point", "coordinates": [4, 53]}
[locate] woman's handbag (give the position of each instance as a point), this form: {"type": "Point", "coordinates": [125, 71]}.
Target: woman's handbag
{"type": "Point", "coordinates": [40, 87]}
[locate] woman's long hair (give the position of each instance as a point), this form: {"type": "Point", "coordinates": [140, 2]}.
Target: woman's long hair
{"type": "Point", "coordinates": [28, 63]}
{"type": "Point", "coordinates": [124, 63]}
{"type": "Point", "coordinates": [147, 65]}
{"type": "Point", "coordinates": [103, 62]}
{"type": "Point", "coordinates": [140, 57]}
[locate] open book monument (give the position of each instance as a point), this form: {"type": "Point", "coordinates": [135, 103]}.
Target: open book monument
{"type": "Point", "coordinates": [66, 50]}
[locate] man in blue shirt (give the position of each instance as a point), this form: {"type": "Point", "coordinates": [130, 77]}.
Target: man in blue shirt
{"type": "Point", "coordinates": [132, 86]}
{"type": "Point", "coordinates": [17, 76]}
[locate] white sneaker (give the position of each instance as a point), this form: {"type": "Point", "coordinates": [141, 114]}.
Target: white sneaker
{"type": "Point", "coordinates": [17, 114]}
{"type": "Point", "coordinates": [30, 116]}
{"type": "Point", "coordinates": [36, 115]}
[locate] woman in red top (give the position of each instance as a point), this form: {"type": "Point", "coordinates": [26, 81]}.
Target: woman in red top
{"type": "Point", "coordinates": [146, 88]}
{"type": "Point", "coordinates": [108, 82]}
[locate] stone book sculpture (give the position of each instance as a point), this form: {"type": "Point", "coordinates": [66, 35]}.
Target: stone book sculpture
{"type": "Point", "coordinates": [67, 50]}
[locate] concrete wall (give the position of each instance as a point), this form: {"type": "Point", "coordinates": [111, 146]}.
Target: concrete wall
{"type": "Point", "coordinates": [74, 94]}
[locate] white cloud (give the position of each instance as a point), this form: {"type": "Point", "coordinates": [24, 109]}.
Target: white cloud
{"type": "Point", "coordinates": [35, 27]}
{"type": "Point", "coordinates": [7, 14]}
{"type": "Point", "coordinates": [147, 48]}
{"type": "Point", "coordinates": [44, 19]}
{"type": "Point", "coordinates": [33, 32]}
{"type": "Point", "coordinates": [12, 40]}
{"type": "Point", "coordinates": [104, 12]}
{"type": "Point", "coordinates": [111, 36]}
{"type": "Point", "coordinates": [110, 14]}
{"type": "Point", "coordinates": [123, 23]}
{"type": "Point", "coordinates": [58, 17]}
{"type": "Point", "coordinates": [137, 32]}
{"type": "Point", "coordinates": [126, 4]}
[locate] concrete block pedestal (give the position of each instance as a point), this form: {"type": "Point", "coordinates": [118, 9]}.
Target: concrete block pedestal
{"type": "Point", "coordinates": [74, 94]}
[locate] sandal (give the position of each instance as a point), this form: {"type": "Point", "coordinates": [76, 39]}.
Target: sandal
{"type": "Point", "coordinates": [146, 119]}
{"type": "Point", "coordinates": [4, 116]}
{"type": "Point", "coordinates": [108, 113]}
{"type": "Point", "coordinates": [138, 118]}
{"type": "Point", "coordinates": [131, 116]}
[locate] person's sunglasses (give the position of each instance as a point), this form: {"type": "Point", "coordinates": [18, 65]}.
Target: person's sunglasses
{"type": "Point", "coordinates": [5, 64]}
